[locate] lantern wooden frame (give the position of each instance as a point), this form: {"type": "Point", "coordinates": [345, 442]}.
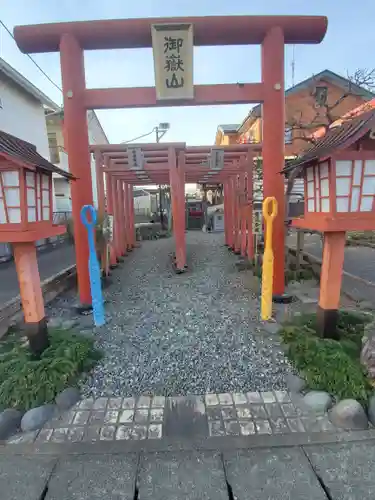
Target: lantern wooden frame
{"type": "Point", "coordinates": [29, 182]}
{"type": "Point", "coordinates": [328, 218]}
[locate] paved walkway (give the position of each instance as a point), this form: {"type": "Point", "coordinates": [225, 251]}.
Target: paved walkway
{"type": "Point", "coordinates": [181, 471]}
{"type": "Point", "coordinates": [172, 335]}
{"type": "Point", "coordinates": [50, 262]}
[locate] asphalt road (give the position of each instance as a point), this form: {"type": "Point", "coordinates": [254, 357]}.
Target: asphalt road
{"type": "Point", "coordinates": [50, 262]}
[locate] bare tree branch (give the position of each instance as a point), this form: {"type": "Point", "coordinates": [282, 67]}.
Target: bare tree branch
{"type": "Point", "coordinates": [324, 110]}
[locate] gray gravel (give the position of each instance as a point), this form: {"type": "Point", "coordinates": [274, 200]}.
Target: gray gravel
{"type": "Point", "coordinates": [194, 333]}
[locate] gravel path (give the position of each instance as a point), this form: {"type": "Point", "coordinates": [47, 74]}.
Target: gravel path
{"type": "Point", "coordinates": [184, 334]}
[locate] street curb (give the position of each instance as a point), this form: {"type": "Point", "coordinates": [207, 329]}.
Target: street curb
{"type": "Point", "coordinates": [316, 264]}
{"type": "Point", "coordinates": [11, 311]}
{"type": "Point", "coordinates": [225, 443]}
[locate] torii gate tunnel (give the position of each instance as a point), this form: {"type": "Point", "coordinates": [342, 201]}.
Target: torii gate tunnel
{"type": "Point", "coordinates": [71, 39]}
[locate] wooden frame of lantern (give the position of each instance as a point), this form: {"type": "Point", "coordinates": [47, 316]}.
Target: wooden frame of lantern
{"type": "Point", "coordinates": [339, 180]}
{"type": "Point", "coordinates": [25, 217]}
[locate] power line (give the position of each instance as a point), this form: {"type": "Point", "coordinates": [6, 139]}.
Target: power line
{"type": "Point", "coordinates": [29, 56]}
{"type": "Point", "coordinates": [139, 137]}
{"type": "Point", "coordinates": [293, 65]}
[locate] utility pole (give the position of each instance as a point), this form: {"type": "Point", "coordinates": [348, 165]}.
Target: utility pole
{"type": "Point", "coordinates": [160, 189]}
{"type": "Point", "coordinates": [160, 131]}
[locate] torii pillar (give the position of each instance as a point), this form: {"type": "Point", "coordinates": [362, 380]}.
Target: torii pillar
{"type": "Point", "coordinates": [76, 132]}
{"type": "Point", "coordinates": [273, 144]}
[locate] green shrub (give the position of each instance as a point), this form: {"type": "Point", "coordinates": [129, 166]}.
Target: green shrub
{"type": "Point", "coordinates": [26, 382]}
{"type": "Point", "coordinates": [327, 364]}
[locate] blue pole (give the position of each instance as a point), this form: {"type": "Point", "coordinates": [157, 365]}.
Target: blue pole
{"type": "Point", "coordinates": [94, 269]}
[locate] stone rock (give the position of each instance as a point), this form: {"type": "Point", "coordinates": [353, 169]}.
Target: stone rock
{"type": "Point", "coordinates": [54, 323]}
{"type": "Point", "coordinates": [243, 265]}
{"type": "Point", "coordinates": [67, 398]}
{"type": "Point", "coordinates": [295, 383]}
{"type": "Point", "coordinates": [10, 421]}
{"type": "Point", "coordinates": [368, 350]}
{"type": "Point", "coordinates": [306, 300]}
{"type": "Point", "coordinates": [318, 401]}
{"type": "Point", "coordinates": [271, 327]}
{"type": "Point", "coordinates": [68, 324]}
{"type": "Point", "coordinates": [366, 305]}
{"type": "Point", "coordinates": [371, 409]}
{"type": "Point", "coordinates": [349, 414]}
{"type": "Point", "coordinates": [36, 417]}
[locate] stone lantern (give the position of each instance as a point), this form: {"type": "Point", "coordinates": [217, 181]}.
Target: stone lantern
{"type": "Point", "coordinates": [25, 217]}
{"type": "Point", "coordinates": [339, 181]}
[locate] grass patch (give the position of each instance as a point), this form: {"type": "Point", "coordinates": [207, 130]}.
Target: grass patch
{"type": "Point", "coordinates": [291, 274]}
{"type": "Point", "coordinates": [326, 364]}
{"type": "Point", "coordinates": [26, 382]}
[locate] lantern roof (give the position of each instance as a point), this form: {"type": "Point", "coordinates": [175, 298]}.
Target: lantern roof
{"type": "Point", "coordinates": [25, 154]}
{"type": "Point", "coordinates": [337, 138]}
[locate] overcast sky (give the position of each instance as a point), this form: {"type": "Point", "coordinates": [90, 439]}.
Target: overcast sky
{"type": "Point", "coordinates": [349, 45]}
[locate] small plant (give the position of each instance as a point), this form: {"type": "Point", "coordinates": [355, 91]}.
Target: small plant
{"type": "Point", "coordinates": [326, 364]}
{"type": "Point", "coordinates": [26, 382]}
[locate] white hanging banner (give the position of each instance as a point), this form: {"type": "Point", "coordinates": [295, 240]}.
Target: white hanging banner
{"type": "Point", "coordinates": [172, 46]}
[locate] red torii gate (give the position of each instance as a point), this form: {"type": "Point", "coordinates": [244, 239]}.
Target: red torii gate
{"type": "Point", "coordinates": [175, 164]}
{"type": "Point", "coordinates": [71, 39]}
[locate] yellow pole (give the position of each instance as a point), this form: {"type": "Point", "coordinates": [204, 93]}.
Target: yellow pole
{"type": "Point", "coordinates": [267, 268]}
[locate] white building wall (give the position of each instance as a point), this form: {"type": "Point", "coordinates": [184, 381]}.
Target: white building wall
{"type": "Point", "coordinates": [62, 188]}
{"type": "Point", "coordinates": [22, 115]}
{"type": "Point", "coordinates": [63, 202]}
{"type": "Point", "coordinates": [96, 136]}
{"type": "Point", "coordinates": [142, 204]}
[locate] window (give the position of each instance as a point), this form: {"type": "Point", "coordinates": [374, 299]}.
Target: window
{"type": "Point", "coordinates": [53, 147]}
{"type": "Point", "coordinates": [288, 138]}
{"type": "Point", "coordinates": [320, 94]}
{"type": "Point", "coordinates": [355, 185]}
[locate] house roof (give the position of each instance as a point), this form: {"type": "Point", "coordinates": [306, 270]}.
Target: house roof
{"type": "Point", "coordinates": [27, 86]}
{"type": "Point", "coordinates": [25, 154]}
{"type": "Point", "coordinates": [229, 128]}
{"type": "Point", "coordinates": [337, 138]}
{"type": "Point", "coordinates": [327, 74]}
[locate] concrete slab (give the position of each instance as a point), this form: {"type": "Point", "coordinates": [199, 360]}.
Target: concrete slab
{"type": "Point", "coordinates": [347, 470]}
{"type": "Point", "coordinates": [278, 473]}
{"type": "Point", "coordinates": [95, 477]}
{"type": "Point", "coordinates": [24, 477]}
{"type": "Point", "coordinates": [181, 476]}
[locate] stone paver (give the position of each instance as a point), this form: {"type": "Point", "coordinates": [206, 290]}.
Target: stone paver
{"type": "Point", "coordinates": [271, 473]}
{"type": "Point", "coordinates": [240, 414]}
{"type": "Point", "coordinates": [84, 477]}
{"type": "Point", "coordinates": [22, 478]}
{"type": "Point", "coordinates": [181, 476]}
{"type": "Point", "coordinates": [348, 470]}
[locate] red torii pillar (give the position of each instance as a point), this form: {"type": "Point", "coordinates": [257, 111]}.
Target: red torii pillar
{"type": "Point", "coordinates": [177, 183]}
{"type": "Point", "coordinates": [132, 217]}
{"type": "Point", "coordinates": [226, 211]}
{"type": "Point", "coordinates": [110, 211]}
{"type": "Point", "coordinates": [101, 202]}
{"type": "Point", "coordinates": [76, 131]}
{"type": "Point", "coordinates": [273, 144]}
{"type": "Point", "coordinates": [249, 211]}
{"type": "Point", "coordinates": [243, 208]}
